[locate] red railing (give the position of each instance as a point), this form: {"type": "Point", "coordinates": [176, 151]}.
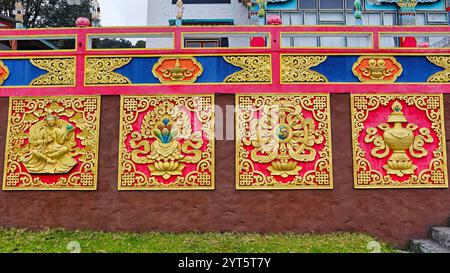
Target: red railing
{"type": "Point", "coordinates": [274, 48]}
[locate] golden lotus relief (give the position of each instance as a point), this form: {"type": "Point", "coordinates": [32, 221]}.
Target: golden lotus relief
{"type": "Point", "coordinates": [167, 124]}
{"type": "Point", "coordinates": [167, 142]}
{"type": "Point", "coordinates": [283, 142]}
{"type": "Point", "coordinates": [399, 153]}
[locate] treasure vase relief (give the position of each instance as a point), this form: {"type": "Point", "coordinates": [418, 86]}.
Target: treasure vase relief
{"type": "Point", "coordinates": [399, 141]}
{"type": "Point", "coordinates": [52, 143]}
{"type": "Point", "coordinates": [167, 143]}
{"type": "Point", "coordinates": [283, 142]}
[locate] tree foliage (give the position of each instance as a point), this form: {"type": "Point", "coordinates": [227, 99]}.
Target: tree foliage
{"type": "Point", "coordinates": [48, 13]}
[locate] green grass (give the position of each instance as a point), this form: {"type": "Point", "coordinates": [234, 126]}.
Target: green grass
{"type": "Point", "coordinates": [57, 241]}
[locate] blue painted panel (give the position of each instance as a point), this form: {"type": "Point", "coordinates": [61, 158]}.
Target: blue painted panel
{"type": "Point", "coordinates": [416, 69]}
{"type": "Point", "coordinates": [339, 68]}
{"type": "Point", "coordinates": [21, 72]}
{"type": "Point", "coordinates": [287, 5]}
{"type": "Point", "coordinates": [215, 70]}
{"type": "Point", "coordinates": [436, 6]}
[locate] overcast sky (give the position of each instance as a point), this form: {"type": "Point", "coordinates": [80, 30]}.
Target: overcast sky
{"type": "Point", "coordinates": [124, 12]}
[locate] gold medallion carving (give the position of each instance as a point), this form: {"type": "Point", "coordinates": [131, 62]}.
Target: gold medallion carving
{"type": "Point", "coordinates": [296, 68]}
{"type": "Point", "coordinates": [255, 69]}
{"type": "Point", "coordinates": [399, 141]}
{"type": "Point", "coordinates": [60, 71]}
{"type": "Point", "coordinates": [283, 142]}
{"type": "Point", "coordinates": [100, 70]}
{"type": "Point", "coordinates": [52, 143]}
{"type": "Point", "coordinates": [177, 69]}
{"type": "Point", "coordinates": [377, 69]}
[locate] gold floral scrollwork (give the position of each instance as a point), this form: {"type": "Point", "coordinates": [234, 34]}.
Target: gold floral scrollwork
{"type": "Point", "coordinates": [52, 143]}
{"type": "Point", "coordinates": [100, 70]}
{"type": "Point", "coordinates": [255, 69]}
{"type": "Point", "coordinates": [441, 76]}
{"type": "Point", "coordinates": [398, 141]}
{"type": "Point", "coordinates": [61, 71]}
{"type": "Point", "coordinates": [296, 68]}
{"type": "Point", "coordinates": [167, 143]}
{"type": "Point", "coordinates": [283, 142]}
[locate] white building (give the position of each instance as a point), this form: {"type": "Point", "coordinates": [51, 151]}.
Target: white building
{"type": "Point", "coordinates": [197, 12]}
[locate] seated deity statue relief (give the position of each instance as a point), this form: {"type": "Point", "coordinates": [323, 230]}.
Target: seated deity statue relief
{"type": "Point", "coordinates": [51, 142]}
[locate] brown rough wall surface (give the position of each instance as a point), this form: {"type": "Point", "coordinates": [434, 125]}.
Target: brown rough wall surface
{"type": "Point", "coordinates": [391, 215]}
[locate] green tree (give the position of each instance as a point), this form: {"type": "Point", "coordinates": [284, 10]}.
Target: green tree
{"type": "Point", "coordinates": [48, 13]}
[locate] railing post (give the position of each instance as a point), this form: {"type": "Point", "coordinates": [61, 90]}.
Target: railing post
{"type": "Point", "coordinates": [80, 57]}
{"type": "Point", "coordinates": [276, 56]}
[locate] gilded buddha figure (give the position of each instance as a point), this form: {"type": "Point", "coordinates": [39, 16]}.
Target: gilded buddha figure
{"type": "Point", "coordinates": [50, 145]}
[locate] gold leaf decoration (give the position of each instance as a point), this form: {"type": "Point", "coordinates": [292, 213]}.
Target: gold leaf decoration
{"type": "Point", "coordinates": [441, 76]}
{"type": "Point", "coordinates": [100, 71]}
{"type": "Point", "coordinates": [61, 71]}
{"type": "Point", "coordinates": [296, 68]}
{"type": "Point", "coordinates": [255, 69]}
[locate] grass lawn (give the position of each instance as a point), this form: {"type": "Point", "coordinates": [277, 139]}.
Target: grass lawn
{"type": "Point", "coordinates": [61, 241]}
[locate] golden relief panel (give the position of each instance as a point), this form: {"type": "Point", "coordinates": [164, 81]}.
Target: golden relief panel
{"type": "Point", "coordinates": [283, 142]}
{"type": "Point", "coordinates": [255, 69]}
{"type": "Point", "coordinates": [52, 143]}
{"type": "Point", "coordinates": [177, 69]}
{"type": "Point", "coordinates": [297, 68]}
{"type": "Point", "coordinates": [100, 70]}
{"type": "Point", "coordinates": [399, 141]}
{"type": "Point", "coordinates": [60, 71]}
{"type": "Point", "coordinates": [167, 143]}
{"type": "Point", "coordinates": [441, 76]}
{"type": "Point", "coordinates": [377, 69]}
